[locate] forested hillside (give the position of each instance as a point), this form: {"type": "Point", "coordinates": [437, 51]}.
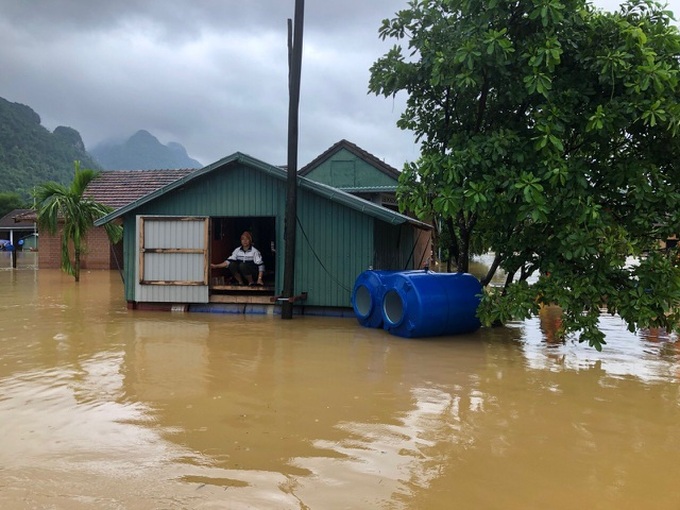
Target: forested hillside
{"type": "Point", "coordinates": [30, 154]}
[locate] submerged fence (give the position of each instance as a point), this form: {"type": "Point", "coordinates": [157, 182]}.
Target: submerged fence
{"type": "Point", "coordinates": [18, 260]}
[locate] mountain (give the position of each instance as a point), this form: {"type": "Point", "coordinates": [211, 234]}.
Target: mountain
{"type": "Point", "coordinates": [142, 151]}
{"type": "Point", "coordinates": [30, 154]}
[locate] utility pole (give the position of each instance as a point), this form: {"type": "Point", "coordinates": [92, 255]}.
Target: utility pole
{"type": "Point", "coordinates": [294, 72]}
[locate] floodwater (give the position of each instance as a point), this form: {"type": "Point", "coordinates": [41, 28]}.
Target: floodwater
{"type": "Point", "coordinates": [106, 408]}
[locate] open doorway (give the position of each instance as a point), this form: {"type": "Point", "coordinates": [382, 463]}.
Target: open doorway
{"type": "Point", "coordinates": [225, 237]}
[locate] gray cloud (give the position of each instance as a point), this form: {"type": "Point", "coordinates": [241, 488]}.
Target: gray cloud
{"type": "Point", "coordinates": [210, 74]}
{"type": "Point", "coordinates": [182, 17]}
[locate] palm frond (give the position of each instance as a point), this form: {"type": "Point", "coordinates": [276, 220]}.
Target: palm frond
{"type": "Point", "coordinates": [81, 179]}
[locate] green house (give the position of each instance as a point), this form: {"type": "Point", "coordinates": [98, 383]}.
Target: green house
{"type": "Point", "coordinates": [350, 168]}
{"type": "Point", "coordinates": [173, 234]}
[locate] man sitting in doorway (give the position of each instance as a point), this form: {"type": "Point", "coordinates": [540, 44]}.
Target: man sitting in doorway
{"type": "Point", "coordinates": [245, 262]}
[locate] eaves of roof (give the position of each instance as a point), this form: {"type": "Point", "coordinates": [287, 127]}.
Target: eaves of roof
{"type": "Point", "coordinates": [359, 204]}
{"type": "Point", "coordinates": [333, 194]}
{"type": "Point", "coordinates": [368, 189]}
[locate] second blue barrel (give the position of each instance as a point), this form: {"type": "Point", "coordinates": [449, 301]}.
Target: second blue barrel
{"type": "Point", "coordinates": [421, 304]}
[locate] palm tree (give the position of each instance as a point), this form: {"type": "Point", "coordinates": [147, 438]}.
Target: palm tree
{"type": "Point", "coordinates": [57, 205]}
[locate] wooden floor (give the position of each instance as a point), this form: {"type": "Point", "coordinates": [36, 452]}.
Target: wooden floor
{"type": "Point", "coordinates": [241, 294]}
{"type": "Point", "coordinates": [242, 288]}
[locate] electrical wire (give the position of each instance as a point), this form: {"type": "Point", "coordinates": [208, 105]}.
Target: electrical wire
{"type": "Point", "coordinates": [297, 219]}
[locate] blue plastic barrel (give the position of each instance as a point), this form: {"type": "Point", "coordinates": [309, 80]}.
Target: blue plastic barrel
{"type": "Point", "coordinates": [367, 296]}
{"type": "Point", "coordinates": [430, 304]}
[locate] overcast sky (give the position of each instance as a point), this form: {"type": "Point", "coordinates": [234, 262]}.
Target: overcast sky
{"type": "Point", "coordinates": [209, 74]}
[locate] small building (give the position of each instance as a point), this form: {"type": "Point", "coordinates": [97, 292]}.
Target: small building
{"type": "Point", "coordinates": [172, 235]}
{"type": "Point", "coordinates": [350, 168]}
{"type": "Point", "coordinates": [14, 226]}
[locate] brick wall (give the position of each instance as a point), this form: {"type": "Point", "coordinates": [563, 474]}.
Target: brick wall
{"type": "Point", "coordinates": [97, 254]}
{"type": "Point", "coordinates": [49, 250]}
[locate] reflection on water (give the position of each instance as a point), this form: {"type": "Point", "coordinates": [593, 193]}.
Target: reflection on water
{"type": "Point", "coordinates": [101, 407]}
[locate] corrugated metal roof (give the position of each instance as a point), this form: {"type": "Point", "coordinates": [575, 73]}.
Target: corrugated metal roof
{"type": "Point", "coordinates": [333, 194]}
{"type": "Point", "coordinates": [368, 189]}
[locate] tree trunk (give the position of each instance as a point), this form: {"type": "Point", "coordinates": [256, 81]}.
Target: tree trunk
{"type": "Point", "coordinates": [464, 255]}
{"type": "Point", "coordinates": [492, 271]}
{"type": "Point", "coordinates": [76, 265]}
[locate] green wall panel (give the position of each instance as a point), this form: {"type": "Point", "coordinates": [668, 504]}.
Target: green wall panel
{"type": "Point", "coordinates": [345, 169]}
{"type": "Point", "coordinates": [334, 243]}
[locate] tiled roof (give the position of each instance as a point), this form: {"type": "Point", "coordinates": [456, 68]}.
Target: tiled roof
{"type": "Point", "coordinates": [117, 188]}
{"type": "Point", "coordinates": [357, 151]}
{"type": "Point", "coordinates": [8, 221]}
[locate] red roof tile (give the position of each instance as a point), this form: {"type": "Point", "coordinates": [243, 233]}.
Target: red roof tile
{"type": "Point", "coordinates": [117, 188]}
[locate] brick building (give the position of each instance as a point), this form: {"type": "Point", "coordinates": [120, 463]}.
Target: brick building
{"type": "Point", "coordinates": [115, 188]}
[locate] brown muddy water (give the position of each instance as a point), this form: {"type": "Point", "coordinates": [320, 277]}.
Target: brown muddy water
{"type": "Point", "coordinates": [106, 408]}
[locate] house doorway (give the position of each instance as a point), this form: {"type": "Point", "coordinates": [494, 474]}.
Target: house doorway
{"type": "Point", "coordinates": [226, 234]}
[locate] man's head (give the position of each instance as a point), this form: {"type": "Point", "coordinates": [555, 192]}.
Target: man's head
{"type": "Point", "coordinates": [246, 239]}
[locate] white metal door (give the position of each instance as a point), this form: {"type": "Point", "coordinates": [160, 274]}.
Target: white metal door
{"type": "Point", "coordinates": [172, 263]}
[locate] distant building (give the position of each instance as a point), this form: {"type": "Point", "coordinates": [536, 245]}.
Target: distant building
{"type": "Point", "coordinates": [15, 225]}
{"type": "Point", "coordinates": [113, 188]}
{"type": "Point", "coordinates": [352, 169]}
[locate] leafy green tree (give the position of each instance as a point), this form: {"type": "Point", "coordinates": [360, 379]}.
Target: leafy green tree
{"type": "Point", "coordinates": [68, 209]}
{"type": "Point", "coordinates": [549, 136]}
{"type": "Point", "coordinates": [10, 201]}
